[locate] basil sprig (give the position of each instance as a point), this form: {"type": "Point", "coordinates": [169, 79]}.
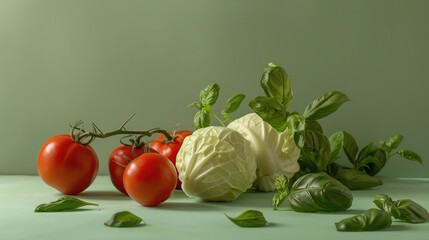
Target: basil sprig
{"type": "Point", "coordinates": [66, 203]}
{"type": "Point", "coordinates": [404, 209]}
{"type": "Point", "coordinates": [208, 97]}
{"type": "Point", "coordinates": [124, 219]}
{"type": "Point", "coordinates": [370, 220]}
{"type": "Point", "coordinates": [249, 218]}
{"type": "Point", "coordinates": [313, 192]}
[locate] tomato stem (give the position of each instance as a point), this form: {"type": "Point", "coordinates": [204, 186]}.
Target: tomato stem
{"type": "Point", "coordinates": [83, 137]}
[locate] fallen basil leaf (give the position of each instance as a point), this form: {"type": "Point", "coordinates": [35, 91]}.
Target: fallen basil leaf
{"type": "Point", "coordinates": [249, 218]}
{"type": "Point", "coordinates": [65, 203]}
{"type": "Point", "coordinates": [371, 220]}
{"type": "Point", "coordinates": [319, 192]}
{"type": "Point", "coordinates": [411, 211]}
{"type": "Point", "coordinates": [123, 219]}
{"type": "Point", "coordinates": [384, 202]}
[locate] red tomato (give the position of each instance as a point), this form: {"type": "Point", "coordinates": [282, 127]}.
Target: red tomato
{"type": "Point", "coordinates": [66, 165]}
{"type": "Point", "coordinates": [118, 162]}
{"type": "Point", "coordinates": [150, 179]}
{"type": "Point", "coordinates": [170, 148]}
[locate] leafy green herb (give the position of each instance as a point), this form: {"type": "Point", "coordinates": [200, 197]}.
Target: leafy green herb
{"type": "Point", "coordinates": [371, 220]}
{"type": "Point", "coordinates": [356, 180]}
{"type": "Point", "coordinates": [249, 218]}
{"type": "Point", "coordinates": [208, 97]}
{"type": "Point", "coordinates": [276, 84]}
{"type": "Point", "coordinates": [405, 209]}
{"type": "Point", "coordinates": [65, 203]}
{"type": "Point", "coordinates": [124, 219]}
{"type": "Point", "coordinates": [325, 105]}
{"type": "Point", "coordinates": [281, 184]}
{"type": "Point", "coordinates": [315, 192]}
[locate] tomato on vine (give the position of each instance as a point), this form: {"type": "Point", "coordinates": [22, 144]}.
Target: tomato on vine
{"type": "Point", "coordinates": [170, 147]}
{"type": "Point", "coordinates": [66, 165]}
{"type": "Point", "coordinates": [119, 159]}
{"type": "Point", "coordinates": [150, 179]}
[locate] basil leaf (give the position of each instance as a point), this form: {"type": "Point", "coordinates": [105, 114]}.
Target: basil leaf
{"type": "Point", "coordinates": [276, 84]}
{"type": "Point", "coordinates": [313, 125]}
{"type": "Point", "coordinates": [410, 155]}
{"type": "Point", "coordinates": [371, 220]}
{"type": "Point", "coordinates": [316, 149]}
{"type": "Point", "coordinates": [271, 111]}
{"type": "Point", "coordinates": [232, 105]}
{"type": "Point", "coordinates": [65, 203]}
{"type": "Point", "coordinates": [281, 184]}
{"type": "Point", "coordinates": [319, 192]}
{"type": "Point", "coordinates": [384, 202]}
{"type": "Point", "coordinates": [411, 211]}
{"type": "Point", "coordinates": [249, 218]}
{"type": "Point", "coordinates": [123, 219]}
{"type": "Point", "coordinates": [350, 147]}
{"type": "Point", "coordinates": [295, 122]}
{"type": "Point", "coordinates": [392, 143]}
{"type": "Point", "coordinates": [209, 95]}
{"type": "Point", "coordinates": [336, 143]}
{"type": "Point", "coordinates": [371, 159]}
{"type": "Point", "coordinates": [356, 180]}
{"type": "Point", "coordinates": [325, 105]}
{"type": "Point", "coordinates": [202, 119]}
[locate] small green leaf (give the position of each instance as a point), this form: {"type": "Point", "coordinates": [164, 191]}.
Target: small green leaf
{"type": "Point", "coordinates": [124, 219]}
{"type": "Point", "coordinates": [410, 155]}
{"type": "Point", "coordinates": [232, 105]}
{"type": "Point", "coordinates": [350, 147]}
{"type": "Point", "coordinates": [276, 84]}
{"type": "Point", "coordinates": [282, 187]}
{"type": "Point", "coordinates": [336, 143]}
{"type": "Point", "coordinates": [325, 105]}
{"type": "Point", "coordinates": [295, 122]}
{"type": "Point", "coordinates": [271, 111]}
{"type": "Point", "coordinates": [249, 218]}
{"type": "Point", "coordinates": [395, 141]}
{"type": "Point", "coordinates": [384, 202]}
{"type": "Point", "coordinates": [66, 203]}
{"type": "Point", "coordinates": [316, 149]}
{"type": "Point", "coordinates": [371, 220]}
{"type": "Point", "coordinates": [202, 119]}
{"type": "Point", "coordinates": [196, 104]}
{"type": "Point", "coordinates": [209, 95]}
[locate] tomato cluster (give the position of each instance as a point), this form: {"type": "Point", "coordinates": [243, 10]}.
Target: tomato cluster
{"type": "Point", "coordinates": [147, 174]}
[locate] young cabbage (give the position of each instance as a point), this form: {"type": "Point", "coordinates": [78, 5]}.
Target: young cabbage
{"type": "Point", "coordinates": [276, 152]}
{"type": "Point", "coordinates": [216, 164]}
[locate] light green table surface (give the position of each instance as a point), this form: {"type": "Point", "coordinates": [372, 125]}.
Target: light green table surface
{"type": "Point", "coordinates": [181, 217]}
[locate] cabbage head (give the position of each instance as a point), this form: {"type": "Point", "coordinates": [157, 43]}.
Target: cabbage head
{"type": "Point", "coordinates": [216, 164]}
{"type": "Point", "coordinates": [276, 152]}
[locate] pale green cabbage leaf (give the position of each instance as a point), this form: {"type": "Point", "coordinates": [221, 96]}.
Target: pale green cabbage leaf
{"type": "Point", "coordinates": [216, 164]}
{"type": "Point", "coordinates": [276, 152]}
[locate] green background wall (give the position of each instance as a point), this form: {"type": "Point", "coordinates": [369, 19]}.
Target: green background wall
{"type": "Point", "coordinates": [101, 61]}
